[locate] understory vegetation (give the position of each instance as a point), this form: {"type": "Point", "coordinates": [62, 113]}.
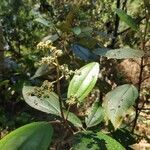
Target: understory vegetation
{"type": "Point", "coordinates": [74, 74]}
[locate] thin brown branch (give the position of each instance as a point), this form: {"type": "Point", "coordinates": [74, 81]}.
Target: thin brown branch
{"type": "Point", "coordinates": [1, 51]}
{"type": "Point", "coordinates": [60, 99]}
{"type": "Point", "coordinates": [115, 34]}
{"type": "Point", "coordinates": [145, 79]}
{"type": "Point", "coordinates": [58, 89]}
{"type": "Point", "coordinates": [140, 76]}
{"type": "Point", "coordinates": [124, 4]}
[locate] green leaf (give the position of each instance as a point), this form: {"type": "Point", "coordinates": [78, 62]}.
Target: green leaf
{"type": "Point", "coordinates": [73, 119]}
{"type": "Point", "coordinates": [121, 53]}
{"type": "Point", "coordinates": [51, 38]}
{"type": "Point", "coordinates": [127, 19]}
{"type": "Point", "coordinates": [76, 30]}
{"type": "Point", "coordinates": [35, 136]}
{"type": "Point", "coordinates": [83, 81]}
{"type": "Point", "coordinates": [87, 31]}
{"type": "Point", "coordinates": [48, 103]}
{"type": "Point", "coordinates": [125, 137]}
{"type": "Point", "coordinates": [95, 116]}
{"type": "Point", "coordinates": [95, 141]}
{"type": "Point", "coordinates": [118, 101]}
{"type": "Point", "coordinates": [43, 21]}
{"type": "Point", "coordinates": [104, 34]}
{"type": "Point", "coordinates": [4, 82]}
{"type": "Point", "coordinates": [42, 70]}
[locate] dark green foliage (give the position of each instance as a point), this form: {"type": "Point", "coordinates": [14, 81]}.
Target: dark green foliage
{"type": "Point", "coordinates": [124, 137]}
{"type": "Point", "coordinates": [34, 136]}
{"type": "Point", "coordinates": [95, 141]}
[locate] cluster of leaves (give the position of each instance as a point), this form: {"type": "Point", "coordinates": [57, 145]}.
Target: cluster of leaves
{"type": "Point", "coordinates": [117, 102]}
{"type": "Point", "coordinates": [78, 46]}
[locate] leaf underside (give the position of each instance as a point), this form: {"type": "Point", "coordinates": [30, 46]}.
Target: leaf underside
{"type": "Point", "coordinates": [48, 103]}
{"type": "Point", "coordinates": [121, 53]}
{"type": "Point", "coordinates": [118, 101]}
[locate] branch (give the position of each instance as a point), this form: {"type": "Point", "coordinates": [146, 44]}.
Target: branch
{"type": "Point", "coordinates": [60, 99]}
{"type": "Point", "coordinates": [141, 75]}
{"type": "Point", "coordinates": [1, 51]}
{"type": "Point", "coordinates": [115, 34]}
{"type": "Point", "coordinates": [124, 4]}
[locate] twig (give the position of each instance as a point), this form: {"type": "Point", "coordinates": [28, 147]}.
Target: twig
{"type": "Point", "coordinates": [140, 76]}
{"type": "Point", "coordinates": [60, 99]}
{"type": "Point", "coordinates": [54, 26]}
{"type": "Point", "coordinates": [58, 89]}
{"type": "Point", "coordinates": [139, 91]}
{"type": "Point", "coordinates": [144, 109]}
{"type": "Point", "coordinates": [145, 79]}
{"type": "Point", "coordinates": [124, 4]}
{"type": "Point", "coordinates": [115, 34]}
{"type": "Point", "coordinates": [67, 112]}
{"type": "Point", "coordinates": [57, 80]}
